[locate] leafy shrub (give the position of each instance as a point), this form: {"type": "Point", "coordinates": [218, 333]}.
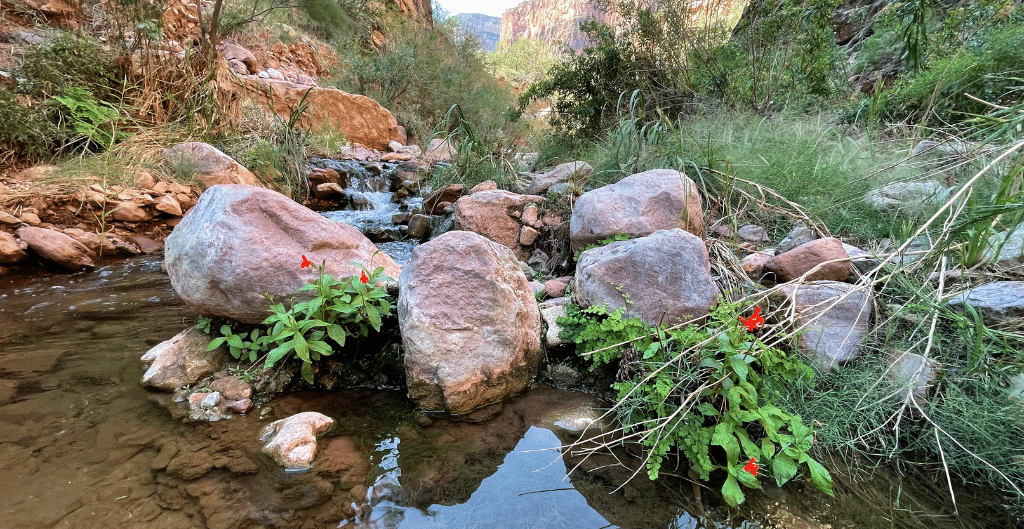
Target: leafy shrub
{"type": "Point", "coordinates": [24, 133]}
{"type": "Point", "coordinates": [420, 73]}
{"type": "Point", "coordinates": [697, 388]}
{"type": "Point", "coordinates": [315, 328]}
{"type": "Point", "coordinates": [70, 61]}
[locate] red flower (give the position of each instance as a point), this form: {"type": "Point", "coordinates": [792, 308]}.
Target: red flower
{"type": "Point", "coordinates": [754, 321]}
{"type": "Point", "coordinates": [752, 467]}
{"type": "Point", "coordinates": [305, 262]}
{"type": "Point", "coordinates": [363, 278]}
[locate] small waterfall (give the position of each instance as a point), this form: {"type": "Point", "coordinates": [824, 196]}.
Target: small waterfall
{"type": "Point", "coordinates": [372, 205]}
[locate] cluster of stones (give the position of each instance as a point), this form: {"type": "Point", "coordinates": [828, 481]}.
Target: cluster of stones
{"type": "Point", "coordinates": [79, 247]}
{"type": "Point", "coordinates": [468, 315]}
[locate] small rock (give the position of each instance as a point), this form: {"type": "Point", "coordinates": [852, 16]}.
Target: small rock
{"type": "Point", "coordinates": [129, 212]}
{"type": "Point", "coordinates": [10, 250]}
{"type": "Point", "coordinates": [30, 218]}
{"type": "Point", "coordinates": [800, 234]}
{"type": "Point", "coordinates": [560, 174]}
{"type": "Point", "coordinates": [834, 318]}
{"type": "Point", "coordinates": [57, 248]}
{"type": "Point", "coordinates": [181, 360]}
{"type": "Point", "coordinates": [828, 253]}
{"type": "Point", "coordinates": [550, 311]}
{"type": "Point", "coordinates": [998, 301]}
{"type": "Point", "coordinates": [232, 388]}
{"type": "Point", "coordinates": [562, 376]}
{"type": "Point", "coordinates": [144, 180]}
{"type": "Point", "coordinates": [169, 205]}
{"type": "Point", "coordinates": [555, 288]}
{"type": "Point", "coordinates": [9, 220]}
{"type": "Point", "coordinates": [291, 442]}
{"type": "Point", "coordinates": [912, 373]}
{"type": "Point", "coordinates": [486, 185]}
{"type": "Point", "coordinates": [419, 226]}
{"type": "Point", "coordinates": [527, 235]}
{"type": "Point", "coordinates": [753, 233]}
{"type": "Point", "coordinates": [145, 244]}
{"type": "Point", "coordinates": [531, 215]}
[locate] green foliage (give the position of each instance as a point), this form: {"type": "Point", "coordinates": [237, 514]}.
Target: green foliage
{"type": "Point", "coordinates": [420, 73]}
{"type": "Point", "coordinates": [94, 121]}
{"type": "Point", "coordinates": [526, 60]}
{"type": "Point", "coordinates": [70, 61]}
{"type": "Point", "coordinates": [603, 242]}
{"type": "Point", "coordinates": [709, 391]}
{"type": "Point", "coordinates": [313, 329]}
{"type": "Point", "coordinates": [782, 53]}
{"type": "Point", "coordinates": [24, 132]}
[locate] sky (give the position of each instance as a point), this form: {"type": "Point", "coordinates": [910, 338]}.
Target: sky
{"type": "Point", "coordinates": [488, 7]}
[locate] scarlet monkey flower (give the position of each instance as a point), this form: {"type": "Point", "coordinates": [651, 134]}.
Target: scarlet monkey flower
{"type": "Point", "coordinates": [754, 321]}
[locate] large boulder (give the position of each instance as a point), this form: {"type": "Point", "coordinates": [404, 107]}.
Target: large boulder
{"type": "Point", "coordinates": [361, 119]}
{"type": "Point", "coordinates": [560, 174]}
{"type": "Point", "coordinates": [207, 164]}
{"type": "Point", "coordinates": [827, 254]}
{"type": "Point", "coordinates": [998, 301]}
{"type": "Point", "coordinates": [57, 248]}
{"type": "Point", "coordinates": [469, 323]}
{"type": "Point", "coordinates": [833, 318]}
{"type": "Point", "coordinates": [240, 243]}
{"type": "Point", "coordinates": [496, 215]}
{"type": "Point", "coordinates": [662, 278]}
{"type": "Point", "coordinates": [638, 205]}
{"type": "Point", "coordinates": [181, 360]}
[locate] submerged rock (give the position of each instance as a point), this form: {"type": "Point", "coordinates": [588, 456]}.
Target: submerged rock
{"type": "Point", "coordinates": [469, 323]}
{"type": "Point", "coordinates": [291, 442]}
{"type": "Point", "coordinates": [662, 278]}
{"type": "Point", "coordinates": [241, 243]}
{"type": "Point", "coordinates": [638, 205]}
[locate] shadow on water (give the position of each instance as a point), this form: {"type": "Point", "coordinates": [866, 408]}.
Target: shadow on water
{"type": "Point", "coordinates": [83, 446]}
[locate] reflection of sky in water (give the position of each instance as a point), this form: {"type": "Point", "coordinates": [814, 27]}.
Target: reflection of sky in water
{"type": "Point", "coordinates": [512, 496]}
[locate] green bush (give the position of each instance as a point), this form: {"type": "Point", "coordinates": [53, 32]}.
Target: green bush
{"type": "Point", "coordinates": [310, 330]}
{"type": "Point", "coordinates": [421, 73]}
{"type": "Point", "coordinates": [24, 131]}
{"type": "Point", "coordinates": [708, 391]}
{"type": "Point", "coordinates": [68, 61]}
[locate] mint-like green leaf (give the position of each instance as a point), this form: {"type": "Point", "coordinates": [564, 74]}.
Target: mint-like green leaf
{"type": "Point", "coordinates": [731, 491]}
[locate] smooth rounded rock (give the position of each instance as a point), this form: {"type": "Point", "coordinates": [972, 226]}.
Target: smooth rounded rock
{"type": "Point", "coordinates": [469, 322]}
{"type": "Point", "coordinates": [240, 243]}
{"type": "Point", "coordinates": [638, 205]}
{"type": "Point", "coordinates": [662, 278]}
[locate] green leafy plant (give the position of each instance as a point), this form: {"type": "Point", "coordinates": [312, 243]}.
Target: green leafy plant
{"type": "Point", "coordinates": [709, 391]}
{"type": "Point", "coordinates": [603, 242]}
{"type": "Point", "coordinates": [314, 328]}
{"type": "Point", "coordinates": [94, 121]}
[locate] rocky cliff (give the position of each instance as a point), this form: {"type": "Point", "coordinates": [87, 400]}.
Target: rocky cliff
{"type": "Point", "coordinates": [416, 10]}
{"type": "Point", "coordinates": [486, 28]}
{"type": "Point", "coordinates": [553, 21]}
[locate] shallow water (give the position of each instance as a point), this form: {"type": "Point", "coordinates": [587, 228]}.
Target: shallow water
{"type": "Point", "coordinates": [83, 446]}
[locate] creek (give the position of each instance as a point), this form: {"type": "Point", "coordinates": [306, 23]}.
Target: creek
{"type": "Point", "coordinates": [83, 446]}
